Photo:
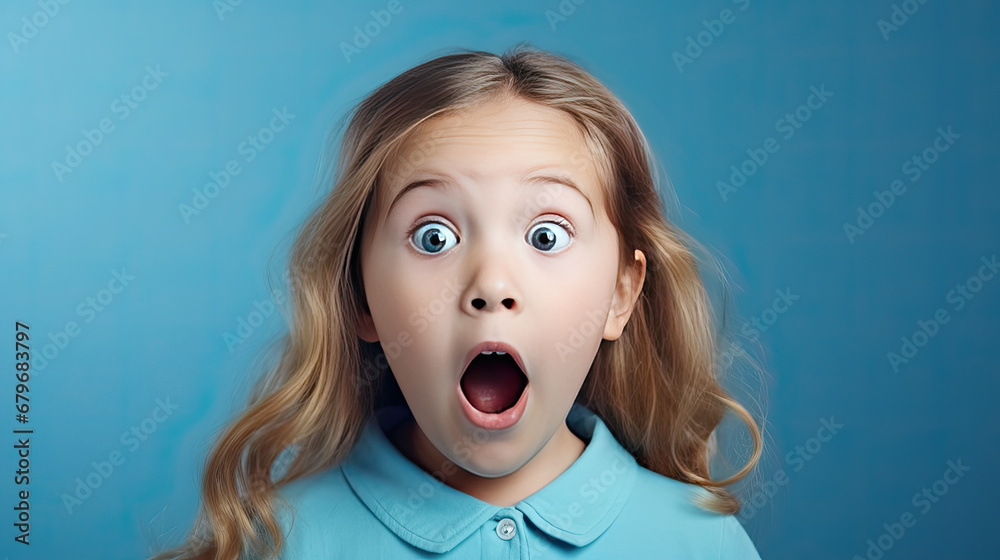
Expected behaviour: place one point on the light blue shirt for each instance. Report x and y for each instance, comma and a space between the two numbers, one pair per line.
378, 504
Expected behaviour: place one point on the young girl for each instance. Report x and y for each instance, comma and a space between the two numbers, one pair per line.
499, 347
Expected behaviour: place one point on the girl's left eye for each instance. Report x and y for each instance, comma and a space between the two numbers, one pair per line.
435, 238
543, 237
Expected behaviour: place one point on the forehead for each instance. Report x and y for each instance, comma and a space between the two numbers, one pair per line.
494, 141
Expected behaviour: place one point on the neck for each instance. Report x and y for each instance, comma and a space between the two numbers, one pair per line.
555, 457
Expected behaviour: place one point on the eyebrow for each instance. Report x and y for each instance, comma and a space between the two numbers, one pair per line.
444, 181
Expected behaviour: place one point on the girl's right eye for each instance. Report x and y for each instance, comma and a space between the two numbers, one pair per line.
430, 237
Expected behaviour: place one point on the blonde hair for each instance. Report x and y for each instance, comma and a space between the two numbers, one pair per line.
655, 387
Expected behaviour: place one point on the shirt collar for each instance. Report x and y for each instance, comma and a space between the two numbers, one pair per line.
576, 508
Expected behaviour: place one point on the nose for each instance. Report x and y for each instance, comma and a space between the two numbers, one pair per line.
492, 287
480, 303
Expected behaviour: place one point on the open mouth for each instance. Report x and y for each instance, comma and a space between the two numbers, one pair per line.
493, 382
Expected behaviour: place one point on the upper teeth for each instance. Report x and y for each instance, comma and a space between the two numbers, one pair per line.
495, 352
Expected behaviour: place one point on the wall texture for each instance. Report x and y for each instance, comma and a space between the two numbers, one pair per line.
838, 157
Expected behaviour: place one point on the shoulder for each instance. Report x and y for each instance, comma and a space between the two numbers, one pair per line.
308, 507
317, 493
662, 510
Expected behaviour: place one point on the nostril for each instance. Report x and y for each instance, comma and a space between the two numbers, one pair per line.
480, 303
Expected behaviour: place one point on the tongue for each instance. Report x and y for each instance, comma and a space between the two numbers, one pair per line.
493, 383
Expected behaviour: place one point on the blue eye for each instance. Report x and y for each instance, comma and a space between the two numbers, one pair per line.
543, 237
429, 237
433, 238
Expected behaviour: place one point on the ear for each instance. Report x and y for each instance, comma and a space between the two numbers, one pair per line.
366, 327
627, 291
365, 324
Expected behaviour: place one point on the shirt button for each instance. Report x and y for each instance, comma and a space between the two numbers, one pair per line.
506, 529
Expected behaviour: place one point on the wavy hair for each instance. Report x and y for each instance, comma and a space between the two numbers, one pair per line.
656, 387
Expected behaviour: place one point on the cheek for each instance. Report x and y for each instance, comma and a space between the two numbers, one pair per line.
581, 334
403, 303
581, 289
577, 314
391, 287
393, 299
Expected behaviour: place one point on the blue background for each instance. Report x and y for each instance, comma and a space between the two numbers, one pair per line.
163, 336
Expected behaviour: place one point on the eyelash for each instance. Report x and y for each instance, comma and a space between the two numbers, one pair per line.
556, 219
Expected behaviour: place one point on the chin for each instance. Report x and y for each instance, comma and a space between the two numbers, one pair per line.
485, 468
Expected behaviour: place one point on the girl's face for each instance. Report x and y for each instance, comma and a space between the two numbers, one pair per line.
479, 237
